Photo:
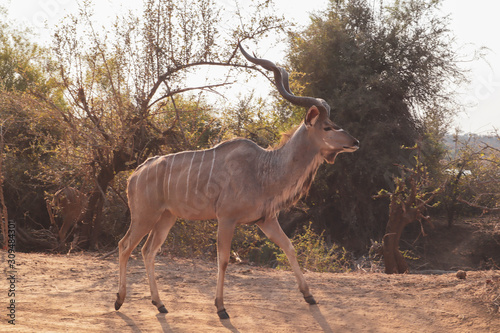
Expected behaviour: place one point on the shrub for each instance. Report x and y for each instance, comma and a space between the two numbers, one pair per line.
250, 245
191, 239
314, 254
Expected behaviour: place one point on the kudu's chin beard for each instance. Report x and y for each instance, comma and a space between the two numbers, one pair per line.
330, 157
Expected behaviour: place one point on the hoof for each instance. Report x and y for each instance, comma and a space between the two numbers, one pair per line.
161, 308
223, 314
117, 303
310, 300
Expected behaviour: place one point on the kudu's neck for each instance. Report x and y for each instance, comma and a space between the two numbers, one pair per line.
287, 172
299, 151
292, 164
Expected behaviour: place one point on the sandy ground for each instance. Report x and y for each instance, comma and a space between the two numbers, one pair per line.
76, 293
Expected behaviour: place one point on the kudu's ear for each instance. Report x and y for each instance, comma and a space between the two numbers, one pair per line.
312, 116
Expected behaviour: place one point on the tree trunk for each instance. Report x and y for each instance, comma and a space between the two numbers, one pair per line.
91, 227
89, 221
394, 261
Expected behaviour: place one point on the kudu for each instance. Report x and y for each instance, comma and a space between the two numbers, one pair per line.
236, 182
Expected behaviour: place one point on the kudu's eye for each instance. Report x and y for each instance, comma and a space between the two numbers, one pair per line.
333, 127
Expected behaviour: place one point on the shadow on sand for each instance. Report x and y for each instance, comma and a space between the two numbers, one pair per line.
163, 322
227, 324
129, 321
134, 328
320, 319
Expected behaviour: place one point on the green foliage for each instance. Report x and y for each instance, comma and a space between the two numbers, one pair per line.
30, 128
314, 254
409, 255
198, 239
471, 176
483, 188
192, 239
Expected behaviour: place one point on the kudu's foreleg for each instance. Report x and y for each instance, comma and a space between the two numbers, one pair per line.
225, 233
273, 231
155, 239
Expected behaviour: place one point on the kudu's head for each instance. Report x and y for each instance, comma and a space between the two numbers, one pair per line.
324, 133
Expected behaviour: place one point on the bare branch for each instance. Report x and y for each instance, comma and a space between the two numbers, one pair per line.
484, 208
178, 91
177, 114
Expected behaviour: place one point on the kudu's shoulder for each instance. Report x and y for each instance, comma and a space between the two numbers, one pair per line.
146, 162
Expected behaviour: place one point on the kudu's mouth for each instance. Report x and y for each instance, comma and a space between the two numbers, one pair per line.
350, 149
331, 155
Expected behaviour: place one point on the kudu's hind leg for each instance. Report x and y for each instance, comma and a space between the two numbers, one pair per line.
155, 239
273, 231
224, 236
127, 244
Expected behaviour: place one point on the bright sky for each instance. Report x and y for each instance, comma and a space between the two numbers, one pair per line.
475, 24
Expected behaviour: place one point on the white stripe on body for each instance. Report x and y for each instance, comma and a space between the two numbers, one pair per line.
158, 189
169, 175
148, 195
179, 178
189, 173
165, 178
211, 169
137, 183
199, 171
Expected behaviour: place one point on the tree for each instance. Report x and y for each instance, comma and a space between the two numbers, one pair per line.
30, 130
123, 85
408, 203
383, 72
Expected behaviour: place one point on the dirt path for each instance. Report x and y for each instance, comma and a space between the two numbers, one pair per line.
76, 293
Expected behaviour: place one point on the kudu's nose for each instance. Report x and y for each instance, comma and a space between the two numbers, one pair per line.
356, 143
